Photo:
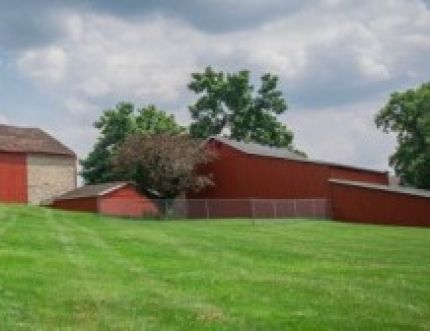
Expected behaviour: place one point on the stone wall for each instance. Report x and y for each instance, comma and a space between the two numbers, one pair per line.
49, 176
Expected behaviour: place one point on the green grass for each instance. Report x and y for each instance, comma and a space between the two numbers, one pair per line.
71, 271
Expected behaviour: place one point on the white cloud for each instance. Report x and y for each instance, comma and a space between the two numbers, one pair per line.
110, 57
3, 119
78, 106
348, 136
152, 59
47, 65
337, 61
372, 69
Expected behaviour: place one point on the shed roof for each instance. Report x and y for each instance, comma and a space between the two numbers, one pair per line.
96, 190
30, 140
387, 188
281, 153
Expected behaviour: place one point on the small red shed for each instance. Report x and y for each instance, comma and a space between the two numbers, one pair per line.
114, 199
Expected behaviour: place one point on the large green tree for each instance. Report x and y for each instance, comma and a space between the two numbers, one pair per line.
228, 104
407, 114
115, 125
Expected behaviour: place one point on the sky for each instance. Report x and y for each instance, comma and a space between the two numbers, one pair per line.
62, 63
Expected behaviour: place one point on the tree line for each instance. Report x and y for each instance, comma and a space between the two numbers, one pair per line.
148, 146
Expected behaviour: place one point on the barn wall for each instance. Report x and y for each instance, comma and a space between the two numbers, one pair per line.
81, 204
340, 172
49, 176
127, 201
366, 205
13, 177
241, 176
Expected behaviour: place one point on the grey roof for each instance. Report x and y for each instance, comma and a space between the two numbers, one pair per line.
393, 189
89, 191
257, 149
30, 140
281, 153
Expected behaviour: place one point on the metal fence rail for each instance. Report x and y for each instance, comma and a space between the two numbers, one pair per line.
219, 208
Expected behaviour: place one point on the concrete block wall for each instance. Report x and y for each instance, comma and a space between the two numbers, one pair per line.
49, 176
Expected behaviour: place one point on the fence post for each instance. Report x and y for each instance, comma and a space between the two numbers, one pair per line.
251, 201
207, 208
274, 208
313, 208
328, 209
294, 208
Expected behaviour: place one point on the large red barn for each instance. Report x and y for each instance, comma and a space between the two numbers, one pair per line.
247, 170
247, 176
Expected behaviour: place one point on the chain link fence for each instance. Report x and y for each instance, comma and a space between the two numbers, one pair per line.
218, 208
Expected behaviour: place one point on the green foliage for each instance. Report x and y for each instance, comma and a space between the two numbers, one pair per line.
407, 114
115, 125
227, 102
164, 163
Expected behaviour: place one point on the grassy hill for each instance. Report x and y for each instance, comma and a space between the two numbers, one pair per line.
73, 271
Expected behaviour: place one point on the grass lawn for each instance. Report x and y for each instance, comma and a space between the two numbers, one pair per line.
74, 271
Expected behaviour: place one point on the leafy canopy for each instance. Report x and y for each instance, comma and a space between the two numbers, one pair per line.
229, 105
407, 115
164, 163
115, 125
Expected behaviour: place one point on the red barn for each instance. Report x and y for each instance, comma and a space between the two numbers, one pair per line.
247, 170
372, 203
115, 199
34, 167
263, 179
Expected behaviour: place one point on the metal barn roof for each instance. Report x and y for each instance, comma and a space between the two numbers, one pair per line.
257, 149
393, 189
30, 140
281, 153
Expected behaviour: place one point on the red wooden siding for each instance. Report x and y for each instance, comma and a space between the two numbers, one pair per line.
340, 172
88, 204
13, 177
127, 201
369, 205
239, 175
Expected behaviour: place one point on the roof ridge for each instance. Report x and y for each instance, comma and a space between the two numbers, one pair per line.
284, 153
382, 187
93, 190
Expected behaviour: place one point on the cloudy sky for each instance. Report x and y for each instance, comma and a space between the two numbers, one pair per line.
61, 64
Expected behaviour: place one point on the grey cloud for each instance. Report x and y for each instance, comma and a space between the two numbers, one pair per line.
26, 24
19, 30
29, 23
213, 16
331, 78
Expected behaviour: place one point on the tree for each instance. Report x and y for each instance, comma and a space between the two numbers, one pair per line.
164, 163
407, 114
227, 102
115, 125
